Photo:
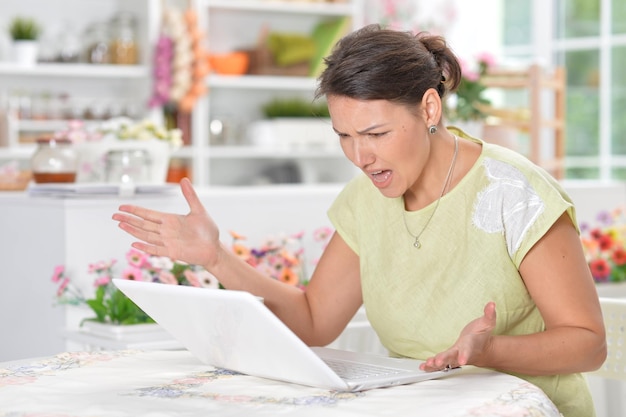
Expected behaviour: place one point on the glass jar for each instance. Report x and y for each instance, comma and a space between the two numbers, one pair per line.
128, 166
69, 44
55, 160
96, 47
123, 47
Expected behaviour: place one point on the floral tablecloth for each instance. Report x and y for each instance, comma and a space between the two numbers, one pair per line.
174, 383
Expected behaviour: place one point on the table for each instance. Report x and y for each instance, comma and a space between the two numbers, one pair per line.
120, 383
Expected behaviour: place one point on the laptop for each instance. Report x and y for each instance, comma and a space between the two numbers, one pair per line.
234, 330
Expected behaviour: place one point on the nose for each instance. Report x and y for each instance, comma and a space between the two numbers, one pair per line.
360, 152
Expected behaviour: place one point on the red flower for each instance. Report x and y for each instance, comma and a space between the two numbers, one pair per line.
596, 233
600, 269
605, 241
619, 256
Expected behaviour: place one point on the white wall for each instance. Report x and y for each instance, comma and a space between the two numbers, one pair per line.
477, 28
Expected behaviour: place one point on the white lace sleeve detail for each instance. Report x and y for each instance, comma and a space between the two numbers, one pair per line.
508, 205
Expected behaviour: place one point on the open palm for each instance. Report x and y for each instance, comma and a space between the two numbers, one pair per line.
191, 238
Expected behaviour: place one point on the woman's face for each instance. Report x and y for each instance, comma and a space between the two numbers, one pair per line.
385, 140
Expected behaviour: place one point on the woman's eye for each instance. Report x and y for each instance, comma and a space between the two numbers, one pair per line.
378, 134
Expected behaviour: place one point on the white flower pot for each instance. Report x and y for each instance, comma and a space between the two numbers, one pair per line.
294, 134
25, 52
611, 289
129, 333
92, 157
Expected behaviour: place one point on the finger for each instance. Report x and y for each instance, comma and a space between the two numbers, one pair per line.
136, 232
447, 358
137, 222
490, 311
430, 367
441, 361
151, 249
190, 195
141, 212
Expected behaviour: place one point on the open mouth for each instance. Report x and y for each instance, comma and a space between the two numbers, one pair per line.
380, 176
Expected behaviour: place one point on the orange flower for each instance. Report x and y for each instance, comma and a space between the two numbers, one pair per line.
237, 236
241, 250
289, 276
289, 258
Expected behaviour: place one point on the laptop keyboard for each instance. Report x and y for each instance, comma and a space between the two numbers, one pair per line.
353, 370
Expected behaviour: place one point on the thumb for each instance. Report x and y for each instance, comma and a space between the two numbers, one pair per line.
190, 195
490, 313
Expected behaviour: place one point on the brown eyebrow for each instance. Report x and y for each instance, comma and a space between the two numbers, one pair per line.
361, 132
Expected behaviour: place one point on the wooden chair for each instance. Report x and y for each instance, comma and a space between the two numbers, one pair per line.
537, 117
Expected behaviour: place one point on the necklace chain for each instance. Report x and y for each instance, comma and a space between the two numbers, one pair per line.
446, 183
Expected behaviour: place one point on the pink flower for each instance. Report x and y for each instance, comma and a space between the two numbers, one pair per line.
322, 234
486, 58
59, 272
166, 277
63, 286
471, 75
136, 258
192, 278
102, 281
132, 273
101, 266
390, 7
298, 235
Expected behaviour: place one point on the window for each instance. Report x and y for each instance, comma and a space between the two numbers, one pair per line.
588, 38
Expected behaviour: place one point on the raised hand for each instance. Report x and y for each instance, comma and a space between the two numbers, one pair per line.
472, 343
192, 238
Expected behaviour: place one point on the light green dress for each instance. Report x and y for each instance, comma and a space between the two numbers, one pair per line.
419, 300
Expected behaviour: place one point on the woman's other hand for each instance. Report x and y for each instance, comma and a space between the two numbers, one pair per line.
473, 343
192, 238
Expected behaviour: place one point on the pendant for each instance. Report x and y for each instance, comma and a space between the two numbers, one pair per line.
417, 243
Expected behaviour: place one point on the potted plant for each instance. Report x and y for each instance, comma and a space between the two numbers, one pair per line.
25, 33
294, 123
115, 315
604, 244
463, 109
95, 143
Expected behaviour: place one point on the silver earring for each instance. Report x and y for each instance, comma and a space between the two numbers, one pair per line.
432, 129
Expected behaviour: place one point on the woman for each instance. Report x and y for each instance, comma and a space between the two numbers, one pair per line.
463, 253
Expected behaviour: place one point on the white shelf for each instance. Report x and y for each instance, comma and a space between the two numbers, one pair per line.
28, 125
277, 6
256, 152
229, 25
76, 70
262, 82
24, 151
